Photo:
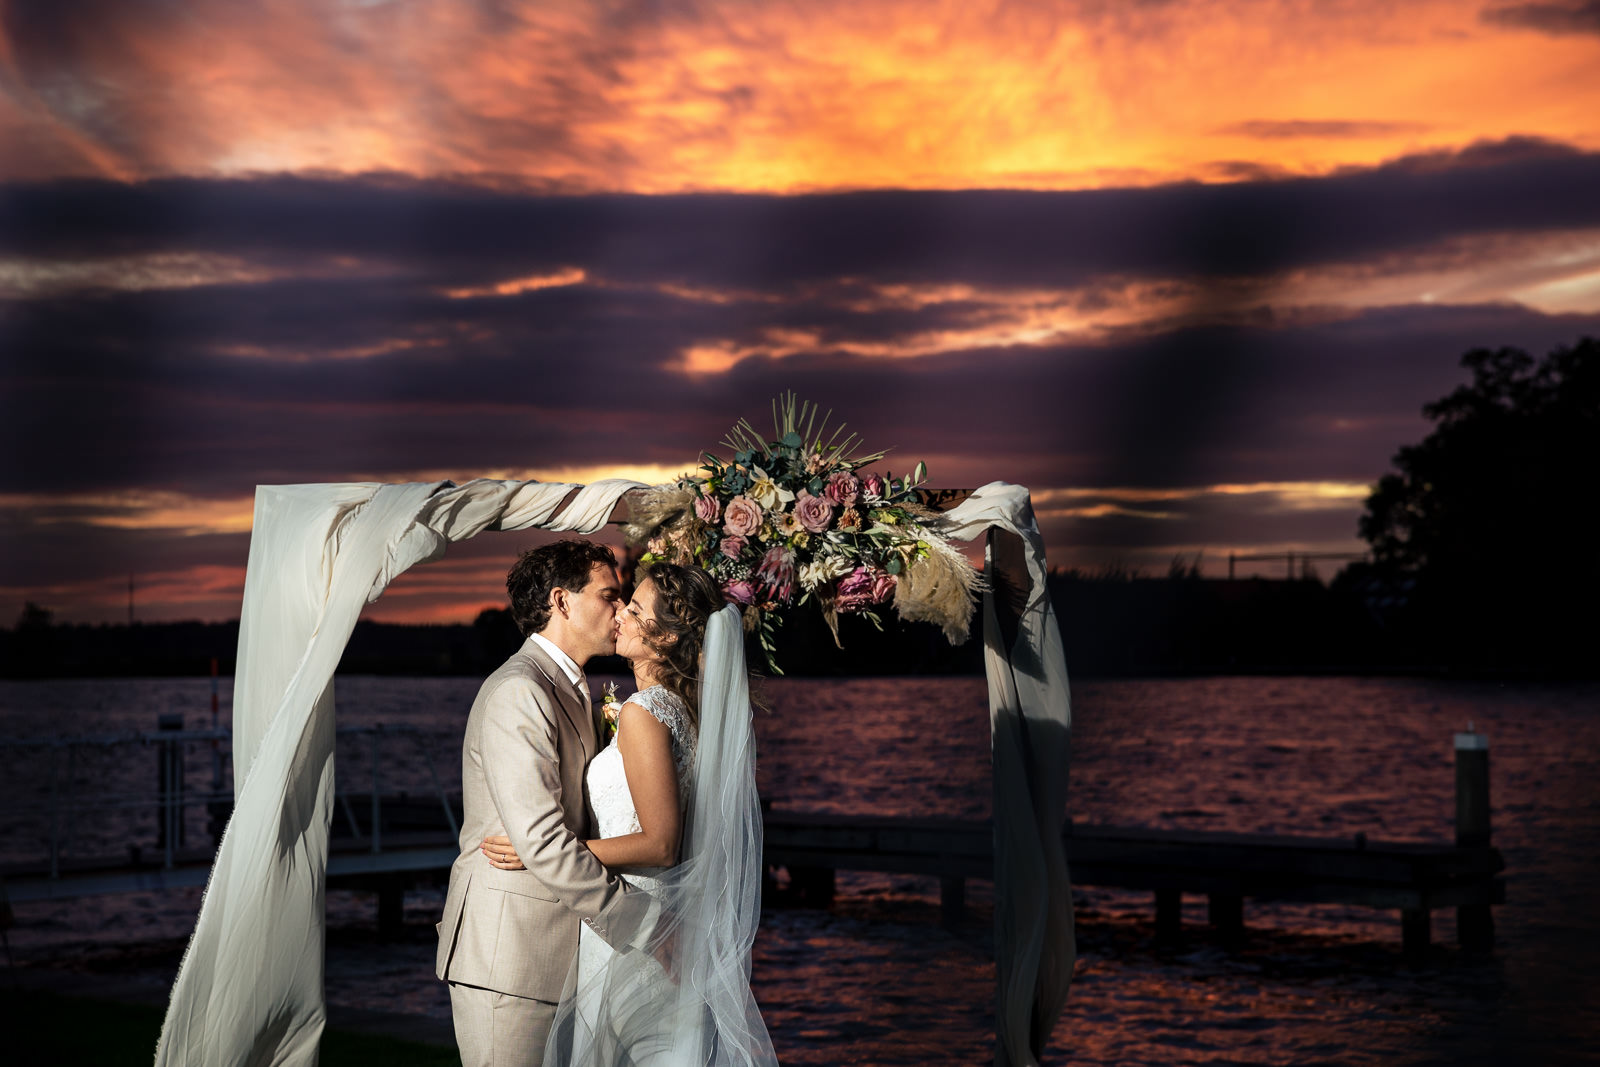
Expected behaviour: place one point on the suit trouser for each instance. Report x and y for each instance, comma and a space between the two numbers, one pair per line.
497, 1029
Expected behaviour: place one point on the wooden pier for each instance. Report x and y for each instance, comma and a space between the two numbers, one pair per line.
415, 843
1413, 879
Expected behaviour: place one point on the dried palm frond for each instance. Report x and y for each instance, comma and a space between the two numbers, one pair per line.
799, 417
940, 589
651, 509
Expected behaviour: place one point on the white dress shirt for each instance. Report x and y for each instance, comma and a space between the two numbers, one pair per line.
568, 665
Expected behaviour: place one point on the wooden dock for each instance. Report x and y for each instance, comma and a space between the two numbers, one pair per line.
1413, 879
387, 843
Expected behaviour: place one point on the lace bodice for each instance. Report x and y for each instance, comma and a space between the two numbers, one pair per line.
608, 783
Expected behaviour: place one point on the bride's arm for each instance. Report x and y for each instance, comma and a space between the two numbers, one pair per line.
646, 748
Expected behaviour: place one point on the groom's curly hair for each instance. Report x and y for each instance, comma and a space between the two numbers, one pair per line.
686, 598
566, 564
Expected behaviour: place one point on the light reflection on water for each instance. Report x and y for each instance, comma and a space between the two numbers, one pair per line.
875, 980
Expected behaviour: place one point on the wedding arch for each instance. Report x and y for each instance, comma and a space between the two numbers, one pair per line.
250, 987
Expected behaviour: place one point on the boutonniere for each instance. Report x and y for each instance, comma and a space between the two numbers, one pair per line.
611, 707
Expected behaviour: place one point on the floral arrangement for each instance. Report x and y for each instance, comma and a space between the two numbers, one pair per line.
797, 518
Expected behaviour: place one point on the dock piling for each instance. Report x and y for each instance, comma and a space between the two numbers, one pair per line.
1169, 914
1474, 922
813, 885
377, 799
169, 777
1416, 930
952, 900
1225, 911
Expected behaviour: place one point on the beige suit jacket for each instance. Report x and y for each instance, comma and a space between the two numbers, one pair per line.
529, 739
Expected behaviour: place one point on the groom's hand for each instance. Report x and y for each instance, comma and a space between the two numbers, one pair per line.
500, 854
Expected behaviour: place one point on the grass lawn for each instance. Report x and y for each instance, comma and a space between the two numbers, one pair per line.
43, 1028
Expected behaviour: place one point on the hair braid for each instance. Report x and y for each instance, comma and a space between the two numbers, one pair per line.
686, 598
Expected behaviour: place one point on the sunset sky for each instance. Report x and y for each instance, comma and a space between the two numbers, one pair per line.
1188, 270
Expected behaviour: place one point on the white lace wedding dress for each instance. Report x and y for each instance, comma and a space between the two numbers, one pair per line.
635, 1017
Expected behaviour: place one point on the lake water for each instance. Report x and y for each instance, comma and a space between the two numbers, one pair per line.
875, 979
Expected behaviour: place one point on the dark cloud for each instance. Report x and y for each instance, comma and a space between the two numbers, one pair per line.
128, 390
1561, 19
59, 552
374, 372
439, 231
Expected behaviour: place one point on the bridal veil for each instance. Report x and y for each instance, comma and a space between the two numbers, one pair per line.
702, 1014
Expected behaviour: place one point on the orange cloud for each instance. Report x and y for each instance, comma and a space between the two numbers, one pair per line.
1139, 501
515, 286
134, 509
826, 95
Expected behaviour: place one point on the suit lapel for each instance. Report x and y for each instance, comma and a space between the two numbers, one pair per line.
566, 694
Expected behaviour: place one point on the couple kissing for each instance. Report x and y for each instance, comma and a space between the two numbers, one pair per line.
606, 893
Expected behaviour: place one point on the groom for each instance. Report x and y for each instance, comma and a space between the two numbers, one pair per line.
508, 937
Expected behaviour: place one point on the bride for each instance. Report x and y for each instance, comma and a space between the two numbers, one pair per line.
676, 809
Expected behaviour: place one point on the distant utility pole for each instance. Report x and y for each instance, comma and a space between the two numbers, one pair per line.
130, 600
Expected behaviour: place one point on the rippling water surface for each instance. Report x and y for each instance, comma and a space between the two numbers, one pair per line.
875, 979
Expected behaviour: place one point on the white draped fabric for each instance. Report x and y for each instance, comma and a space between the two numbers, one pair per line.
1030, 718
249, 989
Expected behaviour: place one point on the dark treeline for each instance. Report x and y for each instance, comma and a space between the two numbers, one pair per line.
1485, 528
1113, 623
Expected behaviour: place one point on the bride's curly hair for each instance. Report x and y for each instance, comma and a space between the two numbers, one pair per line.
686, 598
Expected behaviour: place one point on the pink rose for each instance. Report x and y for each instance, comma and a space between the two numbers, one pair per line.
842, 489
742, 516
882, 586
872, 485
732, 545
707, 508
777, 572
814, 512
855, 591
740, 592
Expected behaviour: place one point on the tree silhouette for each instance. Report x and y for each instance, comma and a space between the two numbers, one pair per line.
1493, 514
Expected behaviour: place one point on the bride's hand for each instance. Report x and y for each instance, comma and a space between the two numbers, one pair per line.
665, 950
500, 854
